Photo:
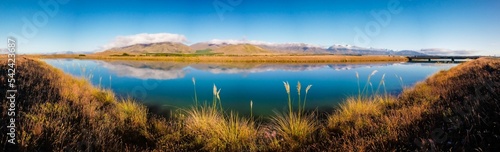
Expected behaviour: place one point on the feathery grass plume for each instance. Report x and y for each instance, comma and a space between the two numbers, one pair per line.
109, 81
368, 83
214, 100
371, 86
380, 83
218, 98
385, 91
287, 89
298, 92
195, 95
400, 79
359, 89
305, 97
251, 109
100, 80
373, 72
214, 90
294, 127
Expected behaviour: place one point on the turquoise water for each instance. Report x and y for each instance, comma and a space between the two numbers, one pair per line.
165, 86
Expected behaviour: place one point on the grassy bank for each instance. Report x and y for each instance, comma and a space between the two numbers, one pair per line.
256, 58
452, 110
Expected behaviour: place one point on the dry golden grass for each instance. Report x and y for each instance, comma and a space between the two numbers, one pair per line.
216, 131
294, 129
62, 113
411, 121
132, 113
352, 114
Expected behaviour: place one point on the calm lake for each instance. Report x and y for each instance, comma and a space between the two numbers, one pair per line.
165, 86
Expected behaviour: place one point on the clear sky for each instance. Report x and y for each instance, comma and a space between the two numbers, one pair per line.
88, 25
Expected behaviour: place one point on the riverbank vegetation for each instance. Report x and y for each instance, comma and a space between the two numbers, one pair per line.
455, 109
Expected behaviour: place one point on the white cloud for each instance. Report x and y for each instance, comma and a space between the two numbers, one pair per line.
447, 52
144, 38
217, 41
4, 51
254, 42
143, 73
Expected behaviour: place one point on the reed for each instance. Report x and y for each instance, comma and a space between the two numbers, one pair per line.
251, 109
195, 95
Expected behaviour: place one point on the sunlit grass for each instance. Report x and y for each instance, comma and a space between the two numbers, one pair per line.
353, 114
105, 96
217, 131
295, 127
132, 113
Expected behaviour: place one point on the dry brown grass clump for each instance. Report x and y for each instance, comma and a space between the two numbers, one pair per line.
215, 131
58, 112
452, 110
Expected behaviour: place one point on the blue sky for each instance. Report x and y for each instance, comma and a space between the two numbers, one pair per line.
88, 25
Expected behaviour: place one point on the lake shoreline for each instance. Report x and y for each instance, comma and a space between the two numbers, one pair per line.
244, 59
408, 121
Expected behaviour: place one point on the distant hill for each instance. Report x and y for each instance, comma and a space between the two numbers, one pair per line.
409, 53
204, 45
294, 48
241, 49
347, 49
71, 52
163, 47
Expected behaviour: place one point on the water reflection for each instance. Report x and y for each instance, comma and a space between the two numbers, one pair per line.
175, 70
165, 86
140, 71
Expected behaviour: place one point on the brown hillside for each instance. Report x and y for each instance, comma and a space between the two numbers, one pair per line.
165, 47
242, 49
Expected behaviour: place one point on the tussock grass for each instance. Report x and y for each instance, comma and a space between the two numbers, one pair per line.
132, 113
107, 97
216, 131
352, 114
295, 128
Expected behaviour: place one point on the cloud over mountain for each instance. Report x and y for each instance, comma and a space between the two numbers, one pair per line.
255, 42
4, 51
435, 51
144, 38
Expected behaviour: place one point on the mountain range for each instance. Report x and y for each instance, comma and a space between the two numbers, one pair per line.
252, 49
